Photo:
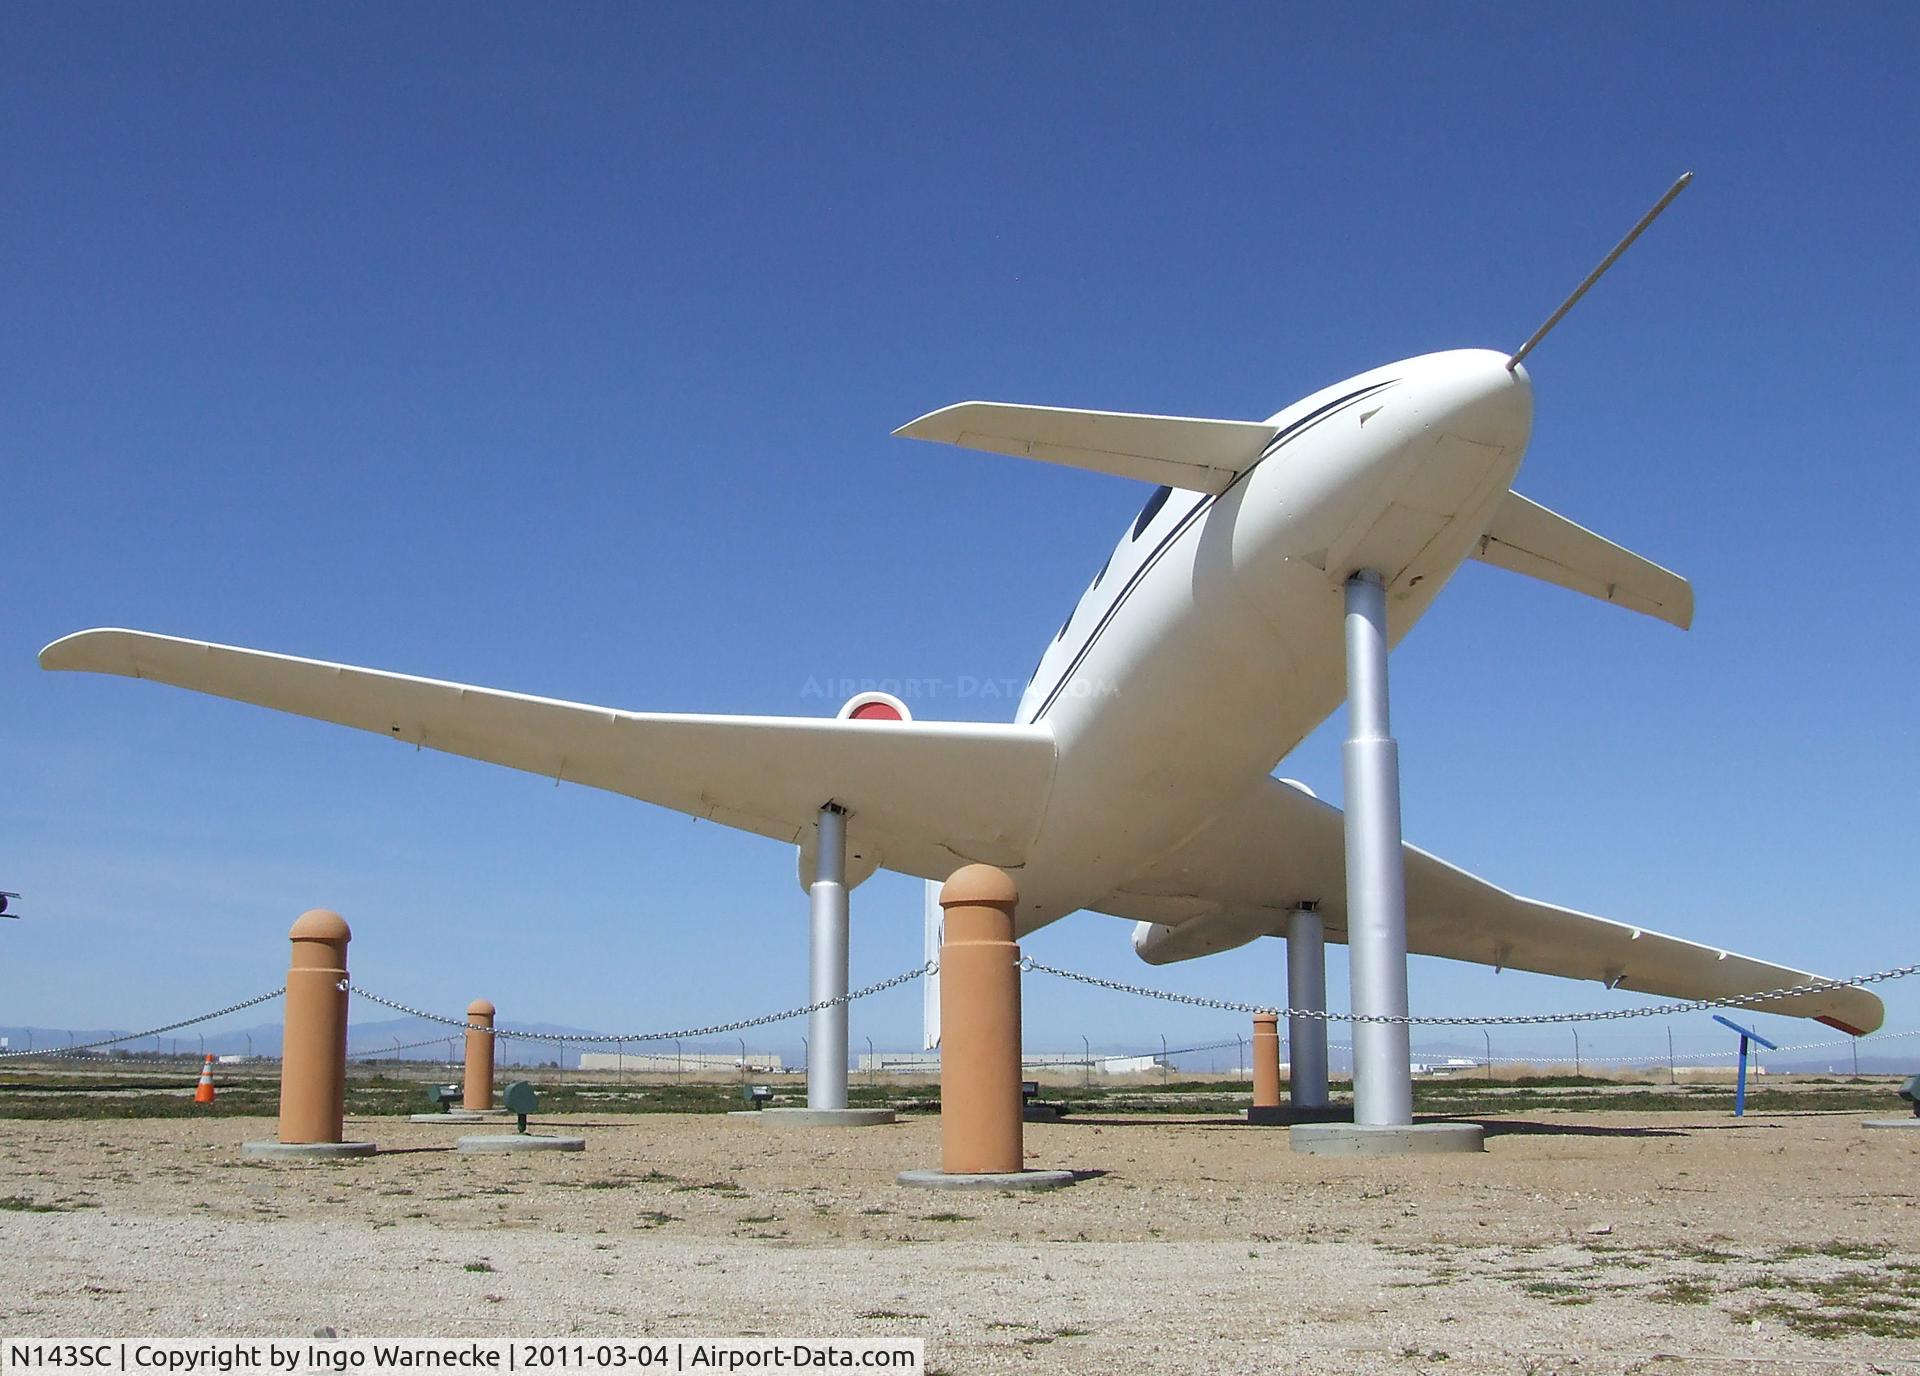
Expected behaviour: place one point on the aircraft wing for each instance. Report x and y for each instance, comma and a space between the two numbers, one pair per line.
1196, 454
1527, 538
1241, 877
926, 796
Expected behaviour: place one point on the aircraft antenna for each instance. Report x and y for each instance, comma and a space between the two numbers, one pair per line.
1605, 263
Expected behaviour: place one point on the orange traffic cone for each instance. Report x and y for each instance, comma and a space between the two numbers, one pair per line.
204, 1094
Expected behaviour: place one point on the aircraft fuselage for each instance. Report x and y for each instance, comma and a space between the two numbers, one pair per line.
1214, 631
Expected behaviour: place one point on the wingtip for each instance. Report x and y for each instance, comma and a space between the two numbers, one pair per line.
83, 650
1847, 1028
1683, 609
63, 653
927, 427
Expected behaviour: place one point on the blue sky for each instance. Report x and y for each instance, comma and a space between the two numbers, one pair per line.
557, 349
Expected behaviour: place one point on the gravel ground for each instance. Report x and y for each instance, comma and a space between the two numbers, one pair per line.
1578, 1243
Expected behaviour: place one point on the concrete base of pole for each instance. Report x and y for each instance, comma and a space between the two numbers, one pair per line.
1390, 1139
1009, 1180
1286, 1116
457, 1115
1908, 1123
307, 1151
517, 1142
820, 1117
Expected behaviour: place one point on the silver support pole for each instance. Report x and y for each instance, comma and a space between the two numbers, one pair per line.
934, 935
827, 1027
1376, 873
1306, 988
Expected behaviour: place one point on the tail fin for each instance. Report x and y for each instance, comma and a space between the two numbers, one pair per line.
1527, 538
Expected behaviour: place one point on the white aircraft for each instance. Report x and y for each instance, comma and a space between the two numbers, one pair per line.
1137, 777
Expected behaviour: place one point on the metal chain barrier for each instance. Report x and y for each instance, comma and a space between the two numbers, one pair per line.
150, 1032
685, 1033
1026, 964
1510, 1020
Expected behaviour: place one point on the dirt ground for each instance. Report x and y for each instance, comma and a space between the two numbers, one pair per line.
1585, 1243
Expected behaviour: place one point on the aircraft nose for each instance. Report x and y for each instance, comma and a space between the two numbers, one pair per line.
1482, 400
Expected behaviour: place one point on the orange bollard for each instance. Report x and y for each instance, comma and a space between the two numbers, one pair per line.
479, 1082
203, 1093
313, 1065
1266, 1060
981, 1118
980, 1112
1266, 1071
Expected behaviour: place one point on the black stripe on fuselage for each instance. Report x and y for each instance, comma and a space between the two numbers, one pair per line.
1293, 431
1312, 418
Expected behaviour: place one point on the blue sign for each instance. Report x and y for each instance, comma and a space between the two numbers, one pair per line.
1747, 1034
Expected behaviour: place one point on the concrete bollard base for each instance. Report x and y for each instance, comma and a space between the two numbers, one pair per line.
1367, 1139
1909, 1123
1286, 1116
987, 1180
307, 1151
819, 1117
518, 1142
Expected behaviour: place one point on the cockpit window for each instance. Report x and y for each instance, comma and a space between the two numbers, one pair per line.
1150, 510
1102, 574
